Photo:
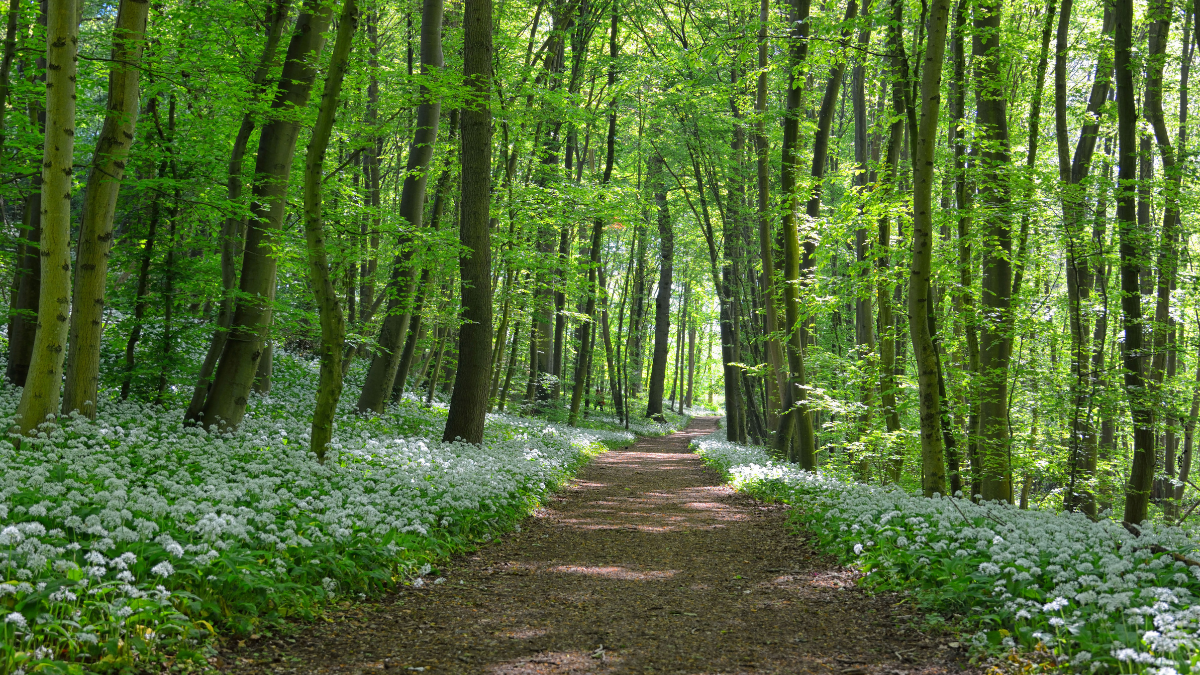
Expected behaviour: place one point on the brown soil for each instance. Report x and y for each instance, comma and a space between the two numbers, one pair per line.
645, 564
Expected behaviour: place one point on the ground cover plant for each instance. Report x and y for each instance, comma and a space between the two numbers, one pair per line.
1096, 596
134, 535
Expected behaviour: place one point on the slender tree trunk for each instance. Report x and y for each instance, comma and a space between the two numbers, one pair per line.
382, 373
512, 368
1160, 14
1080, 279
501, 335
1141, 475
614, 381
680, 323
43, 386
469, 402
23, 321
140, 302
373, 178
691, 376
586, 346
437, 213
226, 403
1189, 437
415, 330
889, 180
168, 293
10, 52
797, 423
231, 232
964, 190
765, 214
662, 303
864, 323
333, 322
431, 383
933, 478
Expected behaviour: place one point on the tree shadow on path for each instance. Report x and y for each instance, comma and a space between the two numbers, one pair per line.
647, 563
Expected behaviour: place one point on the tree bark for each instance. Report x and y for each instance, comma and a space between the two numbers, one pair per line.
469, 402
662, 303
933, 478
99, 207
226, 403
231, 232
586, 346
1141, 475
765, 211
996, 337
1080, 278
382, 373
329, 310
797, 423
43, 386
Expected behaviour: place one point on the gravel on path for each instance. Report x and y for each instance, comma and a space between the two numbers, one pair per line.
647, 563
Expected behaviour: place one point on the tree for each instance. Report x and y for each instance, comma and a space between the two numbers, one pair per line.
43, 386
933, 480
469, 402
333, 322
99, 207
378, 385
226, 403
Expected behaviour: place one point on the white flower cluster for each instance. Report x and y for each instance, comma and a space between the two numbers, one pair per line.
1098, 596
107, 510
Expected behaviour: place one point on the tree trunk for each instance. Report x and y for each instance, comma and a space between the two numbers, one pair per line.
614, 381
691, 376
964, 191
262, 373
333, 322
591, 290
677, 380
512, 368
1189, 437
43, 386
864, 323
1141, 475
143, 287
1079, 254
469, 402
995, 338
933, 478
662, 303
226, 403
797, 423
382, 373
765, 212
99, 207
431, 383
231, 232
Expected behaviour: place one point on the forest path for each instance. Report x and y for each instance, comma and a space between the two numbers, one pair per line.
647, 563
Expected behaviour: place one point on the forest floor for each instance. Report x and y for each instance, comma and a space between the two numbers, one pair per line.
647, 563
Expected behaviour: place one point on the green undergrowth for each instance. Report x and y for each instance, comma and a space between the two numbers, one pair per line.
133, 543
1026, 588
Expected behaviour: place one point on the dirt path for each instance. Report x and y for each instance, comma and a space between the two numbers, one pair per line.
646, 564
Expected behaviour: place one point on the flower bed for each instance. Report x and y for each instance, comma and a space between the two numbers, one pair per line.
133, 536
1091, 593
